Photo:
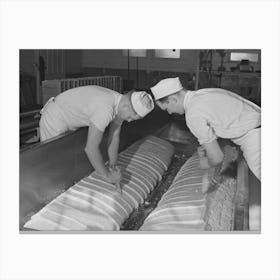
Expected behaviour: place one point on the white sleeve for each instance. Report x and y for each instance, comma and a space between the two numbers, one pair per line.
200, 129
101, 118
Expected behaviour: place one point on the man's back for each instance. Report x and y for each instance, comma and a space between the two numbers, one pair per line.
81, 105
227, 113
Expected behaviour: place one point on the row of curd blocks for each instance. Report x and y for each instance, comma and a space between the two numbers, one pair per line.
92, 204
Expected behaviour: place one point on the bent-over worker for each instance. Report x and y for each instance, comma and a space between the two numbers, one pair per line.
211, 113
95, 107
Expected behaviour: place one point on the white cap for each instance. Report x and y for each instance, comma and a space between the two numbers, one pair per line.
166, 87
142, 103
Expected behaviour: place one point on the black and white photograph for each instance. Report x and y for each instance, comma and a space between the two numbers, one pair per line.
139, 140
165, 140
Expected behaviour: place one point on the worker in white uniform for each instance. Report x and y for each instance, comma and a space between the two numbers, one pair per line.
97, 108
211, 113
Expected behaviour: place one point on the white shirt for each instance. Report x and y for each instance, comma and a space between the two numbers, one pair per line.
82, 105
215, 112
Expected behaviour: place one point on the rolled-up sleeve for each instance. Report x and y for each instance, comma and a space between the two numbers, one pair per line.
200, 128
101, 118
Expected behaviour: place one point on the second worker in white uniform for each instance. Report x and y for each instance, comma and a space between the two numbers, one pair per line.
211, 113
97, 108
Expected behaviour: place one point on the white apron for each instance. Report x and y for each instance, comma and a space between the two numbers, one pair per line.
52, 122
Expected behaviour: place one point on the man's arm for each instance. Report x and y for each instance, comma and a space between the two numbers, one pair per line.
113, 142
95, 157
92, 150
210, 155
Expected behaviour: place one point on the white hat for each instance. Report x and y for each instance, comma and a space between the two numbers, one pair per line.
142, 103
166, 87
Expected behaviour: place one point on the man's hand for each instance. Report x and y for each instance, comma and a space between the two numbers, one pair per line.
210, 178
203, 160
114, 167
114, 177
215, 175
201, 152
